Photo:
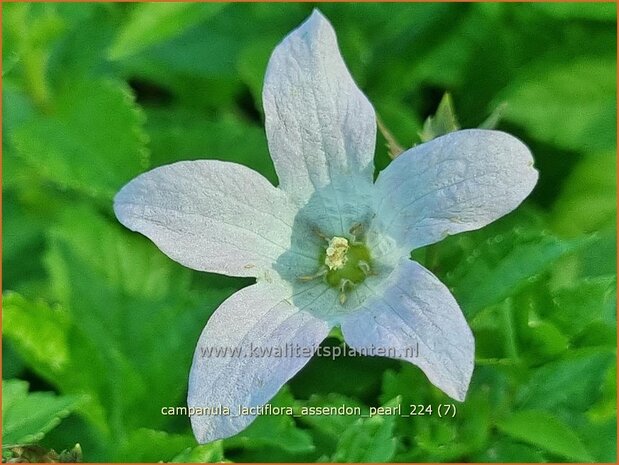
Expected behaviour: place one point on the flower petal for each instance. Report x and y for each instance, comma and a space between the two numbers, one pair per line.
417, 310
458, 182
257, 319
210, 215
320, 127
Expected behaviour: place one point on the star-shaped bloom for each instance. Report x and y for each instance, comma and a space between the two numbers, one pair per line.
329, 246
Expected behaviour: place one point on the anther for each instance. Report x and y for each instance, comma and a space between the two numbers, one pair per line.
320, 234
364, 266
356, 230
344, 283
321, 272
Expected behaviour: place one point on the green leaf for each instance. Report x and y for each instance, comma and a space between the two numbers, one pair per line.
152, 23
368, 439
222, 38
601, 440
424, 57
205, 453
186, 135
598, 11
127, 263
112, 285
596, 259
30, 30
12, 363
28, 323
504, 264
579, 390
17, 107
323, 375
543, 430
92, 141
434, 438
588, 301
9, 60
443, 122
580, 94
543, 340
326, 429
127, 307
398, 383
147, 445
93, 24
251, 64
22, 238
507, 451
588, 199
569, 385
600, 257
26, 417
330, 425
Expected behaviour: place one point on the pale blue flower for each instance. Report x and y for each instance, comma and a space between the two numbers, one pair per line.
328, 247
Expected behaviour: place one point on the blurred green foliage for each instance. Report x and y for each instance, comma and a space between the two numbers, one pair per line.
94, 94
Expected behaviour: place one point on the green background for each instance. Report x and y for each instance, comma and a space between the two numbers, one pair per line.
100, 326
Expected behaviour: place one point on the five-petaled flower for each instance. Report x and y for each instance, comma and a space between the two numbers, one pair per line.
328, 247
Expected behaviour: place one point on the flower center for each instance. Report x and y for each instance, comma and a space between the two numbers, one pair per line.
348, 263
343, 263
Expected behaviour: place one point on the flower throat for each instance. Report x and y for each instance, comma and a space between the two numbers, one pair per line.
344, 263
